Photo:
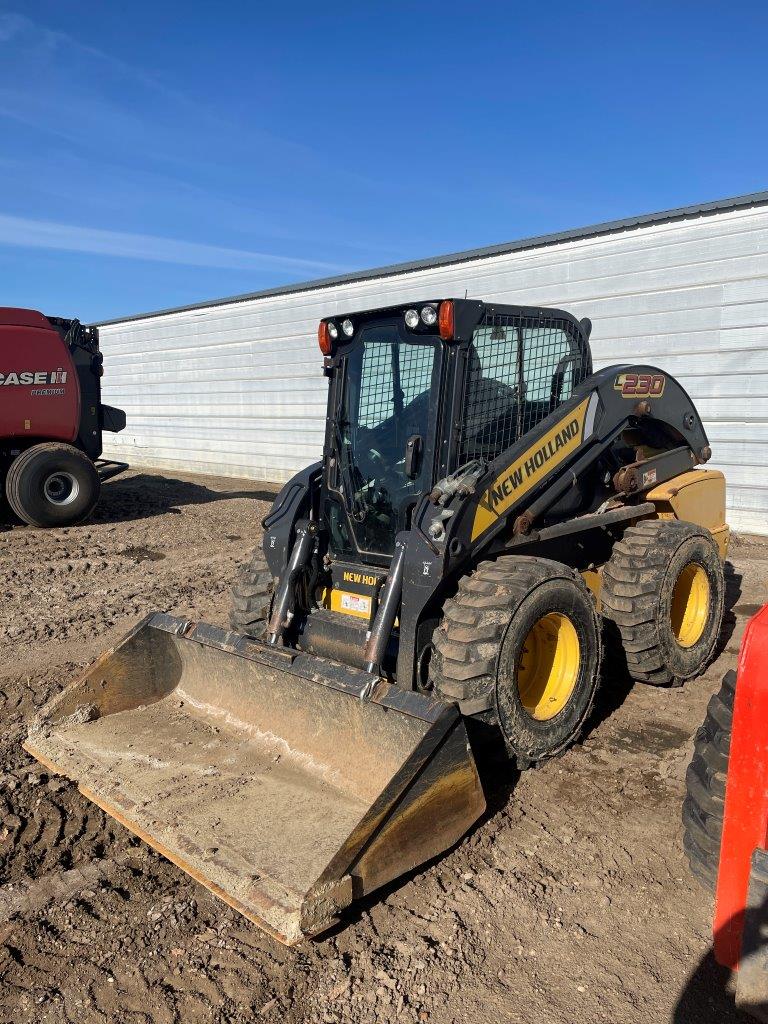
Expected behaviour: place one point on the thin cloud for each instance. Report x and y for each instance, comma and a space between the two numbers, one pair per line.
40, 38
11, 24
42, 234
101, 116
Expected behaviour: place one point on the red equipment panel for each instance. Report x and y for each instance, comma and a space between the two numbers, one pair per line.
39, 389
745, 823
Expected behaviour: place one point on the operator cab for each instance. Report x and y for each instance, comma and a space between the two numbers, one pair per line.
421, 390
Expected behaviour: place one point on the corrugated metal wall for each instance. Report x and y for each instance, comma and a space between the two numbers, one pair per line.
237, 389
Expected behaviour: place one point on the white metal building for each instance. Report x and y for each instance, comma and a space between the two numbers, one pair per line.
234, 386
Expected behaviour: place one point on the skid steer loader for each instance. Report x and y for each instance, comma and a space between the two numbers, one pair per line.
483, 503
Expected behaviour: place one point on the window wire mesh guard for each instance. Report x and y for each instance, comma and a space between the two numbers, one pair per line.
382, 361
519, 370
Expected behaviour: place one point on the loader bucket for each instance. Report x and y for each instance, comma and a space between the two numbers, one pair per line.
287, 784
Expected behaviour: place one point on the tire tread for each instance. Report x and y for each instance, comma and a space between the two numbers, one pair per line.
629, 594
251, 596
469, 639
705, 779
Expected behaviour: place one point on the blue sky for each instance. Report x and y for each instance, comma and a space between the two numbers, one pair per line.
158, 154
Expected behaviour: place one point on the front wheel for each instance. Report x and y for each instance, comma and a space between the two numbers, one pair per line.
52, 484
524, 633
252, 597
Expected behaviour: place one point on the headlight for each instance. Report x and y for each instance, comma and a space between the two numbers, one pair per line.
429, 315
412, 318
333, 330
348, 327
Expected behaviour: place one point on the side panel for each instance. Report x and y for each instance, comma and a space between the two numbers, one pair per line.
39, 387
530, 468
597, 412
695, 497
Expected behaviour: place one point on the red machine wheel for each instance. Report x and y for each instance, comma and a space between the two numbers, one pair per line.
705, 785
52, 484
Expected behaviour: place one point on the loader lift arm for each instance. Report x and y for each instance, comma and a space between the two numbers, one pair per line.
521, 486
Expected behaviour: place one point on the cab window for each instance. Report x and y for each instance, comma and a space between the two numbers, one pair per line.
518, 372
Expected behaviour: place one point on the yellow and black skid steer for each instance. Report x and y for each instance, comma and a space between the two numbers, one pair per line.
485, 501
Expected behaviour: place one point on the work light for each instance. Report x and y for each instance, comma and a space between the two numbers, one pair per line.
333, 330
411, 318
429, 315
348, 327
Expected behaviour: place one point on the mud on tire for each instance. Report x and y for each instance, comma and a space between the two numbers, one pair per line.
705, 784
251, 597
645, 583
486, 650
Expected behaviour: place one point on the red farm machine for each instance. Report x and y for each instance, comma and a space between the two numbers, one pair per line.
52, 418
725, 817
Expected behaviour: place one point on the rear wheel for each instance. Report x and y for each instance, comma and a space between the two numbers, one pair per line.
52, 485
252, 597
522, 637
663, 587
705, 781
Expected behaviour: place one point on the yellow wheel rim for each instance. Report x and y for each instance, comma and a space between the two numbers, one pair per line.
548, 666
690, 605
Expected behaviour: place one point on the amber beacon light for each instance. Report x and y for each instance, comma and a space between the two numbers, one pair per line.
445, 320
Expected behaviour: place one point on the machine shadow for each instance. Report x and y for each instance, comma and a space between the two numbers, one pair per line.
733, 580
708, 996
147, 495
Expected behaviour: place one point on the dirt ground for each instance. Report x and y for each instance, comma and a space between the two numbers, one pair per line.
570, 902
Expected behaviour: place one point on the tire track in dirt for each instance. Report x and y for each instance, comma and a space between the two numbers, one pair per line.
570, 903
125, 948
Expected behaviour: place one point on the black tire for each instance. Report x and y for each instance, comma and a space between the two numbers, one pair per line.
52, 484
252, 597
483, 648
705, 784
644, 585
7, 516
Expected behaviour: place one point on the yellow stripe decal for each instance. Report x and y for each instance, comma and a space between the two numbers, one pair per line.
533, 465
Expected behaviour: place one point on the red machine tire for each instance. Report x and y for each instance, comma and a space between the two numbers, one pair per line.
52, 484
705, 779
